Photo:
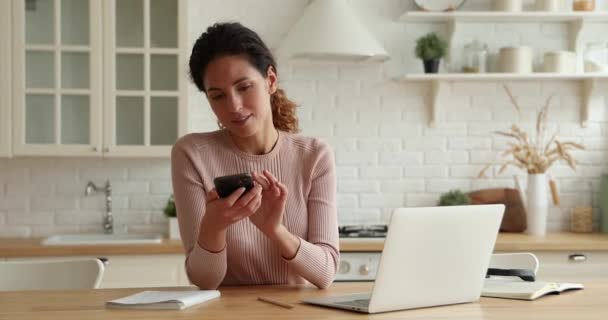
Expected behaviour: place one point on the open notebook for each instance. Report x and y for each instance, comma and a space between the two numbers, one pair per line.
163, 299
523, 290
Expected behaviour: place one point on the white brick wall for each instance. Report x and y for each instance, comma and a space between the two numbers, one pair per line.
386, 154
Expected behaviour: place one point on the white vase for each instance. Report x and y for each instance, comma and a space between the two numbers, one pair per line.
537, 204
173, 229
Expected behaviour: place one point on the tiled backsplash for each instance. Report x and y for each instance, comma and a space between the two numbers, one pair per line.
386, 154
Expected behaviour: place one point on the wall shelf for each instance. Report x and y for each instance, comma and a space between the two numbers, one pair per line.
494, 16
440, 87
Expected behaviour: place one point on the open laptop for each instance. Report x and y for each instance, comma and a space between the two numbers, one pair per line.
432, 256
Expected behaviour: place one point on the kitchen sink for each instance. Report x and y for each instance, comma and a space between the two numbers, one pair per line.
101, 239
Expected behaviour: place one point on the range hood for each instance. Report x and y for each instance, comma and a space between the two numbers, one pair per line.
330, 30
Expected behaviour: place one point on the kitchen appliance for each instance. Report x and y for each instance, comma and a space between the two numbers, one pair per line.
360, 265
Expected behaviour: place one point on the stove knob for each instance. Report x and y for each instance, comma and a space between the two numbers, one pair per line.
364, 270
344, 267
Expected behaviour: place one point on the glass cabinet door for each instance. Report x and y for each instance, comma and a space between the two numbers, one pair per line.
146, 89
5, 79
58, 96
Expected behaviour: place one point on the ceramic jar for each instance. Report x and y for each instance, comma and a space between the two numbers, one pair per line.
560, 62
549, 5
507, 5
515, 59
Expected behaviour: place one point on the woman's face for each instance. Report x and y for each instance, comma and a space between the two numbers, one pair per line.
239, 95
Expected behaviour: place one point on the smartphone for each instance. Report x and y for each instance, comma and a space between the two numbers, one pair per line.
226, 185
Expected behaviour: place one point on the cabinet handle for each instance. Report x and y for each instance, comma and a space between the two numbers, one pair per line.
94, 149
106, 149
577, 257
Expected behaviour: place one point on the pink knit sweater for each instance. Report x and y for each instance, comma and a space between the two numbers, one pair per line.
304, 165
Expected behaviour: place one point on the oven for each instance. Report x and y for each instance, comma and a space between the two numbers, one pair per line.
360, 265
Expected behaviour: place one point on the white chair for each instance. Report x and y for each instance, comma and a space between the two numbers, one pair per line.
64, 274
517, 260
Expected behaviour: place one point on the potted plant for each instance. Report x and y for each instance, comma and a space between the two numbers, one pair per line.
454, 198
431, 48
171, 213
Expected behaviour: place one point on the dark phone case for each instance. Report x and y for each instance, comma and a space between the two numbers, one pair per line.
226, 185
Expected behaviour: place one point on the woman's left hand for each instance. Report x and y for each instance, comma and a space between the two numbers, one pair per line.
269, 217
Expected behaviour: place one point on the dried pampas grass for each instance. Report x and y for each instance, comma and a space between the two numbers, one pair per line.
533, 155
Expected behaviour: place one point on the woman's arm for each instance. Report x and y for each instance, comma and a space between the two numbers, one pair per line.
205, 269
317, 259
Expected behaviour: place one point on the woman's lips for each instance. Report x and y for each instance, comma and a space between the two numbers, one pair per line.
241, 121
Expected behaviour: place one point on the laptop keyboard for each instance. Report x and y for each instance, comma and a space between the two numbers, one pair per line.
356, 303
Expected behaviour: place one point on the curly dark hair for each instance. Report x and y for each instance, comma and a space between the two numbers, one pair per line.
224, 39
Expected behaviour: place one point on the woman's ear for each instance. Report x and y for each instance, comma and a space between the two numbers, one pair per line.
271, 80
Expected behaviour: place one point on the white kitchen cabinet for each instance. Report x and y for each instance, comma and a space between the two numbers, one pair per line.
98, 78
145, 90
574, 266
5, 79
164, 270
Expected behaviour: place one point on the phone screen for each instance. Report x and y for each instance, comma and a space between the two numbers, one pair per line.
226, 185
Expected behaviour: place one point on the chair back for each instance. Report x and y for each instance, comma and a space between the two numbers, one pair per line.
64, 274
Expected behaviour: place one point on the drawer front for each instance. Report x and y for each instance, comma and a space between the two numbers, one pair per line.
572, 266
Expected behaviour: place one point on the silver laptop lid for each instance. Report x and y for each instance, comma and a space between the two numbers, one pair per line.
435, 256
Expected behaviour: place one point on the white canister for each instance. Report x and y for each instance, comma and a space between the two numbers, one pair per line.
549, 5
516, 59
507, 5
560, 61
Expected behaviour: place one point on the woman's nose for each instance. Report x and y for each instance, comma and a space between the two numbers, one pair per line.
234, 103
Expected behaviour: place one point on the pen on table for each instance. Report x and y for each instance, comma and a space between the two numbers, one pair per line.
276, 303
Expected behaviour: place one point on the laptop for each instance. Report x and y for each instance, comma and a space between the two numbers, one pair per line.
432, 256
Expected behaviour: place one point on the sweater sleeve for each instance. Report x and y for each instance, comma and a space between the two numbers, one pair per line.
317, 259
204, 269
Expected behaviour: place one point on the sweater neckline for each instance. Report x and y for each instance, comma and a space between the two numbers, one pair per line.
255, 157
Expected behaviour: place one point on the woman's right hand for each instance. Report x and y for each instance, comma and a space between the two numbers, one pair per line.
220, 213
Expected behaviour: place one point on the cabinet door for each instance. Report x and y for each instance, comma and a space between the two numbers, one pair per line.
57, 77
145, 83
5, 79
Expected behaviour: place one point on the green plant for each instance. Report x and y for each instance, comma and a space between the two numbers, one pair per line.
170, 210
454, 198
430, 46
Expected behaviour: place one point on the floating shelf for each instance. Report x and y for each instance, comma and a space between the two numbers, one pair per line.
495, 16
501, 76
440, 82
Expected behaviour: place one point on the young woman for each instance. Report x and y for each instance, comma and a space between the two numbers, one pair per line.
282, 231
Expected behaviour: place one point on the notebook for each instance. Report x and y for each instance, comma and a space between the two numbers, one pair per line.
163, 299
524, 290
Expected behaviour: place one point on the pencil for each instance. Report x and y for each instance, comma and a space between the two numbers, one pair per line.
276, 303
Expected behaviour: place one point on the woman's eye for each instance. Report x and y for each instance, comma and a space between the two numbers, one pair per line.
217, 97
244, 88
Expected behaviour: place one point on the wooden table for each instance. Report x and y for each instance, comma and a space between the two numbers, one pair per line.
241, 303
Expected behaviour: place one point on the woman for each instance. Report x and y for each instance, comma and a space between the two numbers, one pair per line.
282, 231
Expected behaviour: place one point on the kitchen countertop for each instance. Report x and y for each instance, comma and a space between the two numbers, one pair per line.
240, 302
10, 247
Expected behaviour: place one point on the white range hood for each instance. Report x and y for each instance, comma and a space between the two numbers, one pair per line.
330, 30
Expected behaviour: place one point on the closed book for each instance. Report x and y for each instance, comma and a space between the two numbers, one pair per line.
176, 300
524, 290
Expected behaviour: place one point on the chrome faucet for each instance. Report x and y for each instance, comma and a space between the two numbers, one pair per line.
108, 222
